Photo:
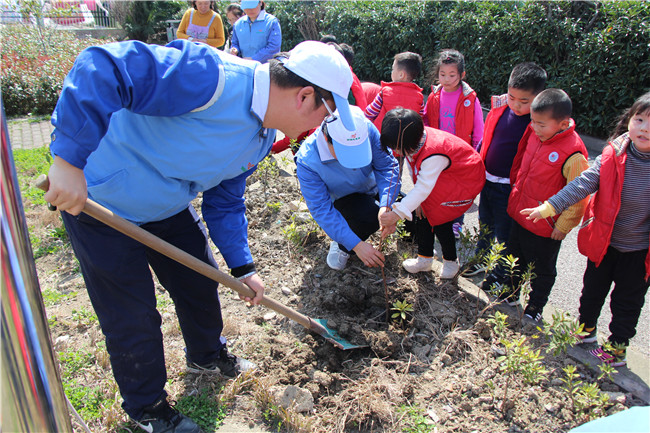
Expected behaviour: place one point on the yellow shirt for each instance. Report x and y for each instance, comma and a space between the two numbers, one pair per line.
216, 36
571, 217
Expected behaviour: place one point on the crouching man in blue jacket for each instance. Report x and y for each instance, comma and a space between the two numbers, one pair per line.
348, 181
142, 129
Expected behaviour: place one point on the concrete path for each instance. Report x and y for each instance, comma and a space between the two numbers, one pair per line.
25, 133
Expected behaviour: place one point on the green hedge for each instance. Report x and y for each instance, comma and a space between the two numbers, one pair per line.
34, 66
596, 51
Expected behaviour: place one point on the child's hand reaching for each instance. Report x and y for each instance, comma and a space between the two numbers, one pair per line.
557, 235
388, 219
532, 213
386, 230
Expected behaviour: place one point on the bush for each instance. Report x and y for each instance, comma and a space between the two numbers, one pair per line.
145, 20
35, 65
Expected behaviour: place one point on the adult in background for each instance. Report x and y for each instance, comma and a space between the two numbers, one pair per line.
233, 13
201, 23
256, 36
142, 129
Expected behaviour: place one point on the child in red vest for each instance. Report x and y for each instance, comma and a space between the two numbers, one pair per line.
452, 105
447, 173
615, 233
401, 92
550, 155
504, 126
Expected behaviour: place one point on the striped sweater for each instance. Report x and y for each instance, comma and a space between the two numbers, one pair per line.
632, 226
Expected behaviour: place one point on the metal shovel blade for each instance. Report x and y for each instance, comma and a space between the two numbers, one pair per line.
332, 336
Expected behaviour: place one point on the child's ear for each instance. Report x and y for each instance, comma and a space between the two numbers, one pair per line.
462, 76
564, 124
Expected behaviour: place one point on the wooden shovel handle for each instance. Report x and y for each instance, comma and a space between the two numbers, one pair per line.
104, 215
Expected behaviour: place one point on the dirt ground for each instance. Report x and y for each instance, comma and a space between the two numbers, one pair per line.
437, 370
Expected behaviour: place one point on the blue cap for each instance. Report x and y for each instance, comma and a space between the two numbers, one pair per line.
352, 147
249, 4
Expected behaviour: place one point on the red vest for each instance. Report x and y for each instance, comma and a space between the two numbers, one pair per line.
370, 90
458, 184
358, 93
398, 94
598, 223
464, 117
537, 174
499, 105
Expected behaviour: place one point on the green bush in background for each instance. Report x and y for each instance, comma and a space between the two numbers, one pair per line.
596, 51
34, 65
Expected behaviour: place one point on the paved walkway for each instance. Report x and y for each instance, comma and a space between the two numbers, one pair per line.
25, 133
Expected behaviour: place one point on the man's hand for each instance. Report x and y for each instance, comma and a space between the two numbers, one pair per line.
369, 255
532, 214
557, 235
68, 190
255, 283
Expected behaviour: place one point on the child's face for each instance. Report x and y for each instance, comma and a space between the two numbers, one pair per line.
397, 73
546, 126
639, 128
449, 77
232, 18
519, 100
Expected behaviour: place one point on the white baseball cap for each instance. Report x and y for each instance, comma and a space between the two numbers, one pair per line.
322, 65
352, 148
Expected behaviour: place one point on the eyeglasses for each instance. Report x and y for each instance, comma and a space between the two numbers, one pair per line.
332, 117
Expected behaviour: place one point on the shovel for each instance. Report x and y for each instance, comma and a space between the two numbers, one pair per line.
104, 215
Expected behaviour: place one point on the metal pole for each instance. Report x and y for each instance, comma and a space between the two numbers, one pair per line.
32, 395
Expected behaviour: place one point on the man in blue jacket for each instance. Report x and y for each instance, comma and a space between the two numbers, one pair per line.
348, 181
142, 129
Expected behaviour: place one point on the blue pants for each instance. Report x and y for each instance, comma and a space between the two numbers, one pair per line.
493, 213
121, 289
360, 212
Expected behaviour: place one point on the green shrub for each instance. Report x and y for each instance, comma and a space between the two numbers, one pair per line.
145, 20
34, 66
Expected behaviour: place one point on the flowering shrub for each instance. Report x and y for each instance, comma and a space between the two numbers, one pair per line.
34, 65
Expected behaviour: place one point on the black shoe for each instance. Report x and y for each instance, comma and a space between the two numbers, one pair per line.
226, 364
490, 284
475, 269
507, 297
590, 335
160, 417
533, 312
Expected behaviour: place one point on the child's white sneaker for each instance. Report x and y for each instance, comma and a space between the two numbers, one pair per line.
419, 264
449, 269
337, 259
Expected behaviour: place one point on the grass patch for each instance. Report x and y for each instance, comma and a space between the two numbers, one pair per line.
414, 420
204, 409
30, 163
53, 297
